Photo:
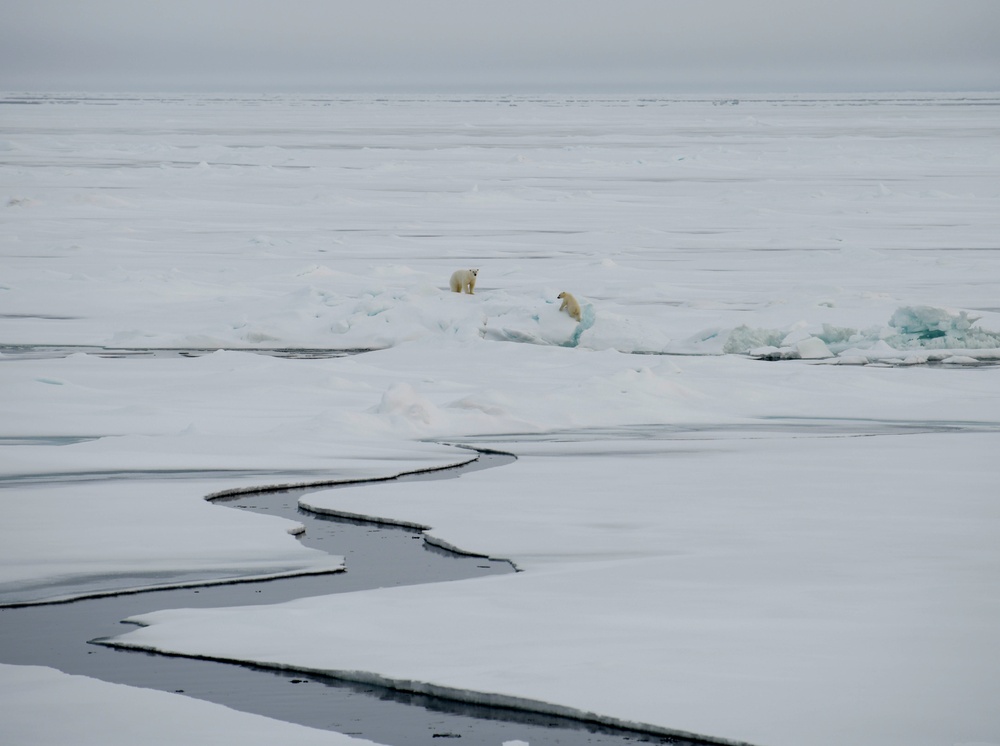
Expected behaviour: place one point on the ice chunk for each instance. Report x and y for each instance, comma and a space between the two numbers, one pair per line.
586, 321
795, 336
813, 348
927, 322
882, 350
744, 338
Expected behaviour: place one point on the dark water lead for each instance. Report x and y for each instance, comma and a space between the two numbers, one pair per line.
63, 636
52, 352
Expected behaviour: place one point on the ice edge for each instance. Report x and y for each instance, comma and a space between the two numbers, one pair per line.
502, 701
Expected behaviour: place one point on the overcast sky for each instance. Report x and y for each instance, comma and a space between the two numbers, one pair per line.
654, 46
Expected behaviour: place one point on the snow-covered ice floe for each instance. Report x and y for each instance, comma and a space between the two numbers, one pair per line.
43, 706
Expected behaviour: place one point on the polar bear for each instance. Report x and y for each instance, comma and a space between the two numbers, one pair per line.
464, 280
570, 305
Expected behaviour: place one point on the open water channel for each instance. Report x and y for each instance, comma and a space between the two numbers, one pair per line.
67, 636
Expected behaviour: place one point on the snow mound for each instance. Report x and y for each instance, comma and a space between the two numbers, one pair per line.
401, 403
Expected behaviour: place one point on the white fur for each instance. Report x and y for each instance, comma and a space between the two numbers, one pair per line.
569, 305
464, 280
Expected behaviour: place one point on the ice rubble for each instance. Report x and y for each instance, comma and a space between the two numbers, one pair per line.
386, 317
915, 335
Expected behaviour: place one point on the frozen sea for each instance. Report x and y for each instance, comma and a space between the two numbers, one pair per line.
756, 493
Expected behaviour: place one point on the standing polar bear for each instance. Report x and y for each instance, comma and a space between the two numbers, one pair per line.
464, 280
570, 305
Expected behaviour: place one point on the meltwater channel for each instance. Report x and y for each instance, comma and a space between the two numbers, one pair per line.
66, 636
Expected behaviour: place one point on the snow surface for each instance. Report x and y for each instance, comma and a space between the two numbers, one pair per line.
91, 712
788, 552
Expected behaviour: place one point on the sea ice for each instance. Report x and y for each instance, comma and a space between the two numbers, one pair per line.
43, 706
708, 541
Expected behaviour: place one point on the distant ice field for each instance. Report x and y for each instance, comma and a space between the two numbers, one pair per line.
331, 222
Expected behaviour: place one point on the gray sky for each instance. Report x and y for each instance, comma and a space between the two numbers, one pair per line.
656, 46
